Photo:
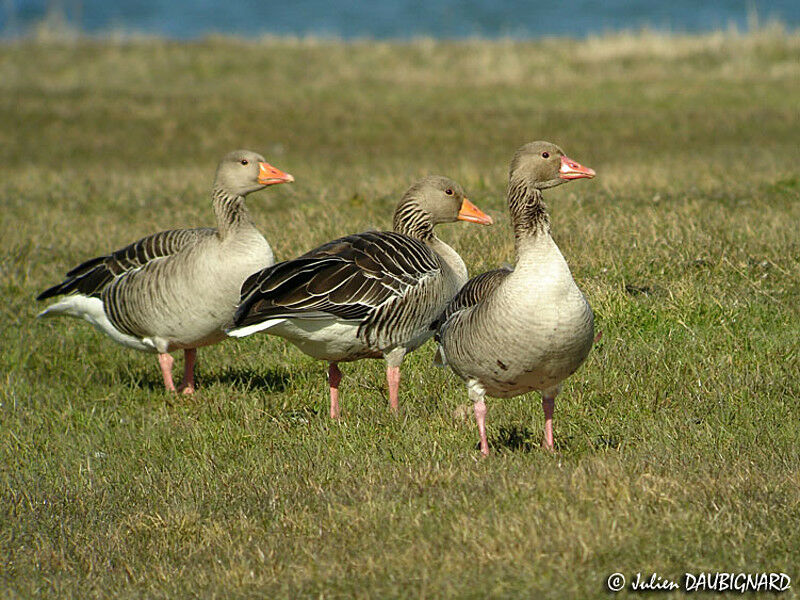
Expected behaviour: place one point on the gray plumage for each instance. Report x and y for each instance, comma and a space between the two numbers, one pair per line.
385, 281
512, 331
367, 295
176, 289
472, 293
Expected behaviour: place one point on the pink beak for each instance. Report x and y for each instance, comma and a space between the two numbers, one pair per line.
573, 170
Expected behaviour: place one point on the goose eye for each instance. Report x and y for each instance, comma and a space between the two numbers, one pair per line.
449, 192
244, 161
545, 155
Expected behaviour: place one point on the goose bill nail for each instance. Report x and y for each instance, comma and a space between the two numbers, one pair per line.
573, 170
473, 214
269, 175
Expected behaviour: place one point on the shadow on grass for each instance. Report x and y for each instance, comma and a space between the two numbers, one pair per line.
302, 415
274, 380
143, 378
515, 438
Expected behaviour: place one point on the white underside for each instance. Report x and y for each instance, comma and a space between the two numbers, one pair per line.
91, 310
326, 339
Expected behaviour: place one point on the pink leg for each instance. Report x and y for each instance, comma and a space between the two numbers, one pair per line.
189, 358
548, 404
334, 377
476, 394
480, 417
165, 360
393, 379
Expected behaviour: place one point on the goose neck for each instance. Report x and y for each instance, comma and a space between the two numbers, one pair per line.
529, 216
231, 212
412, 221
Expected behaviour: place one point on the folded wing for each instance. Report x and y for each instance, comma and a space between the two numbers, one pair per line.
473, 292
351, 278
92, 277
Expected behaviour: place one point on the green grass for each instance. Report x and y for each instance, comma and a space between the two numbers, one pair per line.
679, 439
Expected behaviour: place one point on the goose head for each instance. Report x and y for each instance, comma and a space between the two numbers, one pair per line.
540, 165
241, 172
433, 200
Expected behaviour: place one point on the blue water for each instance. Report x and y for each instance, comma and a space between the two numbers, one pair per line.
402, 19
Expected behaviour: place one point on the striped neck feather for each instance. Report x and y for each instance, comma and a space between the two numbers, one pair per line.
230, 210
529, 216
411, 220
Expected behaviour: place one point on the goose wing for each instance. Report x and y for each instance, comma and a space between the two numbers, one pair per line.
472, 293
93, 276
350, 278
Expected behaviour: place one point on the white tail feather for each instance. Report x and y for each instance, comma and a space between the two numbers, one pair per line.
251, 329
91, 310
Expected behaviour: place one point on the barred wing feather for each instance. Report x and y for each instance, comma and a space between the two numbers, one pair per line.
472, 293
92, 277
349, 278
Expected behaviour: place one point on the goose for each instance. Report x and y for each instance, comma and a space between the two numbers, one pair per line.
514, 330
176, 289
367, 295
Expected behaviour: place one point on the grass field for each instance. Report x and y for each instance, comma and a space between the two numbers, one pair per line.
678, 440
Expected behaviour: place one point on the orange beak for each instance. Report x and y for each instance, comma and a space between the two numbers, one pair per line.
473, 214
573, 170
269, 175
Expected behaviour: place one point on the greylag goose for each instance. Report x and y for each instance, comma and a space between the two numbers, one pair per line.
511, 331
368, 295
176, 289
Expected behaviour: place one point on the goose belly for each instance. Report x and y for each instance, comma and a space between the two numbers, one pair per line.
325, 339
538, 373
535, 350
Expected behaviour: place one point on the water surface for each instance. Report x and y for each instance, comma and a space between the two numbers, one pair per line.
402, 19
